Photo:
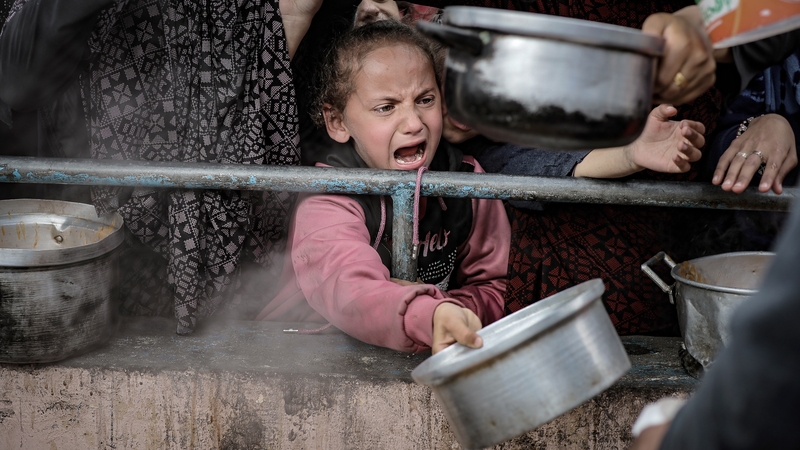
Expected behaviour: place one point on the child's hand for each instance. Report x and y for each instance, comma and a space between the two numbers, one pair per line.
451, 324
665, 145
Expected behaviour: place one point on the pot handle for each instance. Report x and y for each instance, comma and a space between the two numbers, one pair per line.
647, 270
469, 41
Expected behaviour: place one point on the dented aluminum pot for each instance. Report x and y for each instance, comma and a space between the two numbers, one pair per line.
58, 279
707, 296
535, 365
545, 81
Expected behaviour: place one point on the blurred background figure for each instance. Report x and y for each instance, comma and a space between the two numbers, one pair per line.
179, 81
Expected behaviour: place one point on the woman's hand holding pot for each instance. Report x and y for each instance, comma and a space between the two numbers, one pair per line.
769, 141
687, 68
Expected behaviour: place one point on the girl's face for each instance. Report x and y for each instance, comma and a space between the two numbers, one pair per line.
394, 115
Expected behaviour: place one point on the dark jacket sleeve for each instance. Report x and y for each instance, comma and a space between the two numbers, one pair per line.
41, 48
510, 159
753, 58
750, 398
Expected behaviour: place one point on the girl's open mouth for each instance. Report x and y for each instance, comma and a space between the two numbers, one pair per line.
410, 155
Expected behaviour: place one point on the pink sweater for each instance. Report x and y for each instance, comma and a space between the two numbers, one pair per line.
331, 273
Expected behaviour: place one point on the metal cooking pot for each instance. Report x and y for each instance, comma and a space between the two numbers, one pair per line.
58, 276
707, 297
535, 364
546, 81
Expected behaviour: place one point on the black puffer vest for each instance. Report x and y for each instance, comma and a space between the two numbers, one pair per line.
441, 231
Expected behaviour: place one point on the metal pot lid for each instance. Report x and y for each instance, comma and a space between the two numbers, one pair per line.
554, 27
39, 233
509, 333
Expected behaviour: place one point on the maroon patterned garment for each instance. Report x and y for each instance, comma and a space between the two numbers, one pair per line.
194, 81
567, 244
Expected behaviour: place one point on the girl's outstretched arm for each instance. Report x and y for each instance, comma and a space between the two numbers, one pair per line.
664, 146
343, 279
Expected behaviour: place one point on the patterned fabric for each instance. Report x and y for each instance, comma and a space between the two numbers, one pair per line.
194, 81
565, 245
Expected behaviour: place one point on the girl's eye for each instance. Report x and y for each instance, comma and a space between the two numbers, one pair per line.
384, 108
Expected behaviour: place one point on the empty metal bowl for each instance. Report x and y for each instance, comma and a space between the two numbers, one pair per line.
535, 364
546, 81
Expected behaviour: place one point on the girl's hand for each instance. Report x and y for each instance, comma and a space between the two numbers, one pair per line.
451, 324
666, 146
771, 135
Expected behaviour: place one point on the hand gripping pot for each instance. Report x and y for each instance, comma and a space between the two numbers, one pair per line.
535, 365
545, 81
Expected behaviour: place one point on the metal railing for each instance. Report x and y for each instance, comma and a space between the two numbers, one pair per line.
397, 184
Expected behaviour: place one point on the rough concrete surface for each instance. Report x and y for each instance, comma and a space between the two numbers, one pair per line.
247, 385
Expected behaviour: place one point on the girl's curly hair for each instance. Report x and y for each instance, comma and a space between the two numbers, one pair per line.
335, 78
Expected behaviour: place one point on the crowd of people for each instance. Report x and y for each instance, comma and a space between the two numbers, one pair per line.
215, 81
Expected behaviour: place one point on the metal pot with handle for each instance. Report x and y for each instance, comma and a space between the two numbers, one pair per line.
707, 292
58, 279
535, 364
546, 81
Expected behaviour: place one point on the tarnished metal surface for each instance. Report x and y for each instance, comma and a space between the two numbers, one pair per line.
58, 276
534, 366
515, 80
705, 307
404, 261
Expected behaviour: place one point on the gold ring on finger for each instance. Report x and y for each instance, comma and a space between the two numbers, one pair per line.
760, 155
679, 80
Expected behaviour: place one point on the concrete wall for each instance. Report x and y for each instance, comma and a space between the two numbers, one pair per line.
248, 386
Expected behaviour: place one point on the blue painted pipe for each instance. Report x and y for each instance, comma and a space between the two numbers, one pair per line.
398, 184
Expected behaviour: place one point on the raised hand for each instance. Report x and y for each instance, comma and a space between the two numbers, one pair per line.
773, 137
665, 145
297, 16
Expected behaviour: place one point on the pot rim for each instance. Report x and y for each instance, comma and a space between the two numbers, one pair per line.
675, 273
547, 26
543, 316
25, 257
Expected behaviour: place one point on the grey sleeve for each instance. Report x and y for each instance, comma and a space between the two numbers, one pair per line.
41, 47
753, 58
750, 398
512, 159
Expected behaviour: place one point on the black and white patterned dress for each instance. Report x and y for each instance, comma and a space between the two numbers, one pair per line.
194, 81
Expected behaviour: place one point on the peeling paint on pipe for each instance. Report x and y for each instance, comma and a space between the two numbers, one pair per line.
398, 184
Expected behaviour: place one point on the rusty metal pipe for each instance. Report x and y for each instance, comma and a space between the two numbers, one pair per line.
398, 184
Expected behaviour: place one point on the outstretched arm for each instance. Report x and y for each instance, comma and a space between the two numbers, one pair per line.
297, 16
664, 146
343, 279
